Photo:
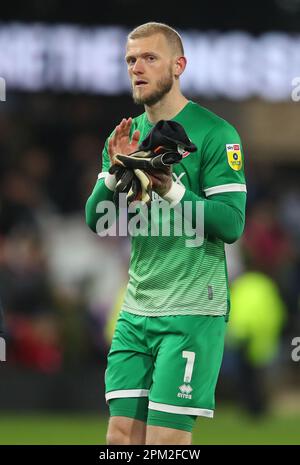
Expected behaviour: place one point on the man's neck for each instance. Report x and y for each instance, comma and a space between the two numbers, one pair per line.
166, 109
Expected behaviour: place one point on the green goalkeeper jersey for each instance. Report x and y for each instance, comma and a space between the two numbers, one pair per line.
167, 277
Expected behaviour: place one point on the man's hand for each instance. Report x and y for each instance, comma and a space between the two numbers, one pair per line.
120, 141
161, 180
158, 179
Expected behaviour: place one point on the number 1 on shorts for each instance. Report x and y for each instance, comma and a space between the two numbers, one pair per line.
190, 356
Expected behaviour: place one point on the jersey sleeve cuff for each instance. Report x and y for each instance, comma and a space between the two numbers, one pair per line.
233, 187
175, 194
109, 180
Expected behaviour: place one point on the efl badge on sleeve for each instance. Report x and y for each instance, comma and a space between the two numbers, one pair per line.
234, 156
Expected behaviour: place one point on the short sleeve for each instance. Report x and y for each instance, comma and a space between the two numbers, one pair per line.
222, 167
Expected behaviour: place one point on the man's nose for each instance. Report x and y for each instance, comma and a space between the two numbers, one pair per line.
138, 67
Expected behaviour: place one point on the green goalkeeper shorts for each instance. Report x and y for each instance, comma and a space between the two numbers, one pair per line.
169, 365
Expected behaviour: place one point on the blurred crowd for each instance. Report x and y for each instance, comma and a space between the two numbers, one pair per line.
59, 281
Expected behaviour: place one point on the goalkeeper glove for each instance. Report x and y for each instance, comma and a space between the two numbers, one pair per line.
164, 146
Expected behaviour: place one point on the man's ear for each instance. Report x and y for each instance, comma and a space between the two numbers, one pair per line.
180, 65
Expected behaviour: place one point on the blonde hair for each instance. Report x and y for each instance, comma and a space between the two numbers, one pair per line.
148, 29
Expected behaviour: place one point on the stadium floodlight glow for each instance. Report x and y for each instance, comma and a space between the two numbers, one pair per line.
233, 65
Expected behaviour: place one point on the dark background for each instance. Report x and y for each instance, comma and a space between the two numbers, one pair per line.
254, 16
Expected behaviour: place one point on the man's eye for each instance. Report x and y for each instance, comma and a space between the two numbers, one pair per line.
131, 61
150, 58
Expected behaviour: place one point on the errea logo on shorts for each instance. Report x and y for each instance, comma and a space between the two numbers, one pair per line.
185, 391
185, 388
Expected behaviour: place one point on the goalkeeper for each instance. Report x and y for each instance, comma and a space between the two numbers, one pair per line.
167, 348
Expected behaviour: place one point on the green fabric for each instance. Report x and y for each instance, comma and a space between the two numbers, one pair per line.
171, 420
224, 214
132, 407
199, 284
100, 193
175, 360
137, 408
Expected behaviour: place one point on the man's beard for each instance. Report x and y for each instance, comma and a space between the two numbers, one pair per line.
164, 86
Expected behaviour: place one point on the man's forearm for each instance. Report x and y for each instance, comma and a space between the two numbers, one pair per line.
224, 214
103, 190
